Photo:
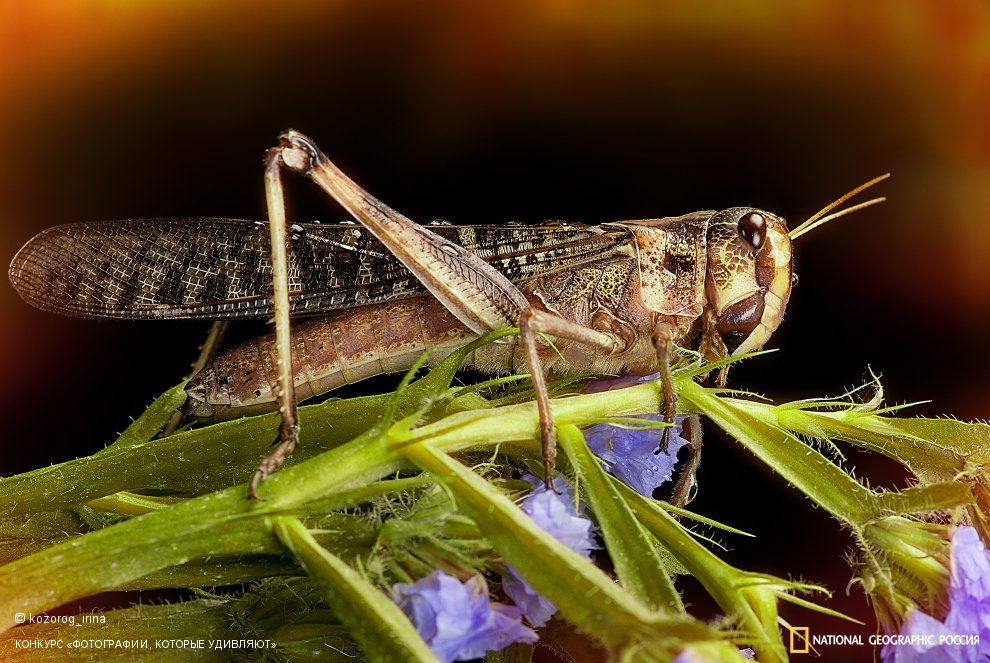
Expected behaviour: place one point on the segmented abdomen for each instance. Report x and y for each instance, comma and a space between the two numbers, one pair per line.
330, 352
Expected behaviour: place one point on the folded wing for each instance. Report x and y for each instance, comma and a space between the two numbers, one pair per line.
221, 268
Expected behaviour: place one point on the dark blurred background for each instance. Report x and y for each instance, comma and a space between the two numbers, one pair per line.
528, 110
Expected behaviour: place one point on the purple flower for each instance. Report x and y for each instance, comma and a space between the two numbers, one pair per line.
555, 513
457, 620
535, 608
964, 635
632, 455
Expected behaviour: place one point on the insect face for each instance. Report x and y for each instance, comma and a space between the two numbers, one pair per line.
748, 279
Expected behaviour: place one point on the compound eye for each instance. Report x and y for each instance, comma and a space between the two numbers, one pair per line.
753, 229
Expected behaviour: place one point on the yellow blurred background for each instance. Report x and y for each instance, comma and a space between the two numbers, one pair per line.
487, 111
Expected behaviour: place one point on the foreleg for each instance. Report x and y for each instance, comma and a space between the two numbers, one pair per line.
665, 348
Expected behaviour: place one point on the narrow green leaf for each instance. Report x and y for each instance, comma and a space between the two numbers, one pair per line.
803, 467
923, 446
924, 499
154, 419
726, 584
638, 566
110, 558
129, 504
383, 631
933, 449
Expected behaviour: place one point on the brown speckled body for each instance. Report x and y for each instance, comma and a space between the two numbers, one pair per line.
606, 297
641, 285
654, 289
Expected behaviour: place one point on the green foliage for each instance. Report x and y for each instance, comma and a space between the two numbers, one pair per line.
384, 489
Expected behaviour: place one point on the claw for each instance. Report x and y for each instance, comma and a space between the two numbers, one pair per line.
286, 441
687, 485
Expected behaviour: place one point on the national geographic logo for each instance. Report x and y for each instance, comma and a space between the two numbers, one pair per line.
802, 641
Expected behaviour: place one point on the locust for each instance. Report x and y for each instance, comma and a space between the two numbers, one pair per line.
625, 297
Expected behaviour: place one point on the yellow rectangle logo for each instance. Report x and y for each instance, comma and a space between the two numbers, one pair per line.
800, 640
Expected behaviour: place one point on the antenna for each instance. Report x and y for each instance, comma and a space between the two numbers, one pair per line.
818, 218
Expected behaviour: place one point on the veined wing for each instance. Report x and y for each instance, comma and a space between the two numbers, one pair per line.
221, 268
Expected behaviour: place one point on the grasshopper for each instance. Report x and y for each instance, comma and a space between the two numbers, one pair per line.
617, 298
